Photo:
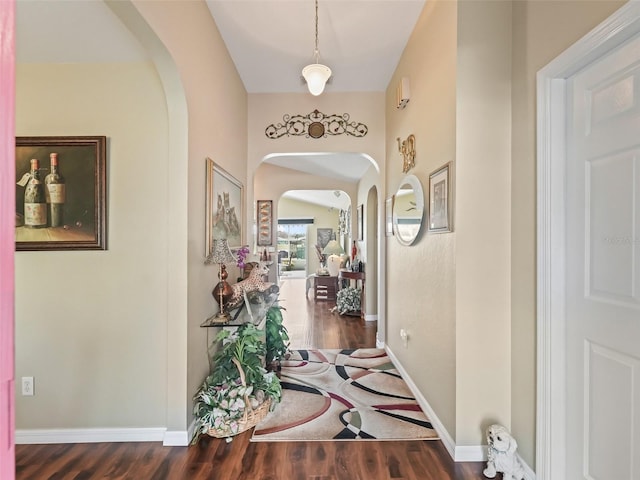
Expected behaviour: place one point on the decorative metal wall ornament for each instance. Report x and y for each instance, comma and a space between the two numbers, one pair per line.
408, 150
316, 125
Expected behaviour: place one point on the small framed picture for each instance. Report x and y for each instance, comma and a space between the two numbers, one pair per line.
360, 222
440, 200
265, 220
323, 236
388, 210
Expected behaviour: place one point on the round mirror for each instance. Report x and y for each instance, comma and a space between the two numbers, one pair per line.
408, 210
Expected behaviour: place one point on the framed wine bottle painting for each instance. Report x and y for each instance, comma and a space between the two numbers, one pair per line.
61, 193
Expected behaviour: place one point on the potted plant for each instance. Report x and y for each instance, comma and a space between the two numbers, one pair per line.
239, 392
348, 300
277, 338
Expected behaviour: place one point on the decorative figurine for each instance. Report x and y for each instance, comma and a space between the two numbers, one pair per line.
253, 283
502, 455
408, 150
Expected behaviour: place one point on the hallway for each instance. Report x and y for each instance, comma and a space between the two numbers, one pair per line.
311, 325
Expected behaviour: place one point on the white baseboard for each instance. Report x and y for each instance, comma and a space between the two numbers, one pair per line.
529, 474
176, 438
447, 440
90, 435
370, 318
470, 453
179, 438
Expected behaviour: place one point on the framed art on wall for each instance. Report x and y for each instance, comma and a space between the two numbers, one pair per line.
225, 207
388, 215
265, 222
440, 201
61, 193
360, 222
323, 235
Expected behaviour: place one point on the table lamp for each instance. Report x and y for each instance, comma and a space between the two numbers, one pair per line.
333, 251
222, 292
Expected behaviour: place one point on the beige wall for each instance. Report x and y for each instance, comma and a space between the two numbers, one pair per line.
89, 324
483, 216
371, 249
166, 346
541, 31
484, 67
421, 278
217, 123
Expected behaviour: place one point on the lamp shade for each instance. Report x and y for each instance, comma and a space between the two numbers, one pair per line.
221, 253
333, 248
316, 76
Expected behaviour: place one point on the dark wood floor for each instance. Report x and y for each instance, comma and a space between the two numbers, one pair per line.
311, 325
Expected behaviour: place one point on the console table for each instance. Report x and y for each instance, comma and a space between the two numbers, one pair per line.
355, 276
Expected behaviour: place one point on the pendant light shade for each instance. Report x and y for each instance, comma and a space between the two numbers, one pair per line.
316, 76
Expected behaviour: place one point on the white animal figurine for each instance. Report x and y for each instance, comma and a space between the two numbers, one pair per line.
253, 283
502, 455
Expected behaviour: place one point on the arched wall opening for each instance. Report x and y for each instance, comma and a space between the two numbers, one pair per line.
271, 181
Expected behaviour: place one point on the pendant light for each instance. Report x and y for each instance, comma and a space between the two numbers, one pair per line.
316, 74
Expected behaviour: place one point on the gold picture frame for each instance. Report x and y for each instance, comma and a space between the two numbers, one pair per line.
265, 222
224, 207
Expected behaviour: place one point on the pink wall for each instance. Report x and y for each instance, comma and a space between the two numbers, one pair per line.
7, 243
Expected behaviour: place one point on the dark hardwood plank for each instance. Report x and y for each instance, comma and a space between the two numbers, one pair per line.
311, 325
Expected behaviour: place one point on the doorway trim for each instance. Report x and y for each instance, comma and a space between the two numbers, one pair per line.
551, 167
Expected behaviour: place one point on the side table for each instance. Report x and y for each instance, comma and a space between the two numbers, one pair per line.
325, 287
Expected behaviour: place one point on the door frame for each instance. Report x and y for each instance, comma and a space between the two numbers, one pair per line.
551, 168
7, 239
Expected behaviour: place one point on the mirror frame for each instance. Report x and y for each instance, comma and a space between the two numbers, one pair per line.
415, 184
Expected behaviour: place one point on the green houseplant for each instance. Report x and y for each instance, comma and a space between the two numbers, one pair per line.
277, 338
239, 391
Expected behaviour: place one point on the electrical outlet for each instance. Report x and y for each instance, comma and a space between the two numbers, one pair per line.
404, 335
27, 386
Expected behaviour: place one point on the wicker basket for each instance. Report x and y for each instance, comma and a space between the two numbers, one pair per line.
251, 417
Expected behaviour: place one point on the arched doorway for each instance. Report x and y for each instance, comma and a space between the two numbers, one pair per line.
278, 173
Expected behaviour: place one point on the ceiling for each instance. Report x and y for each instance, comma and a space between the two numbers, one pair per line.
270, 41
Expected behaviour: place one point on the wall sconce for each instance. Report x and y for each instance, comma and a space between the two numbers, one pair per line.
403, 93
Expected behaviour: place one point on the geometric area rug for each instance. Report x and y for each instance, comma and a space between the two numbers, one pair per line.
343, 395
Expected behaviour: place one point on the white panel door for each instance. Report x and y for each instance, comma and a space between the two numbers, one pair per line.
603, 268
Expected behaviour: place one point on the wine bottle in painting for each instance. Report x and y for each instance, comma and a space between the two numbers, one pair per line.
35, 200
55, 191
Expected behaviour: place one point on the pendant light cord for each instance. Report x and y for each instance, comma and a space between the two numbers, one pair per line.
317, 52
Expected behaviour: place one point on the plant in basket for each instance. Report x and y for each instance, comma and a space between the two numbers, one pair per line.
239, 392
